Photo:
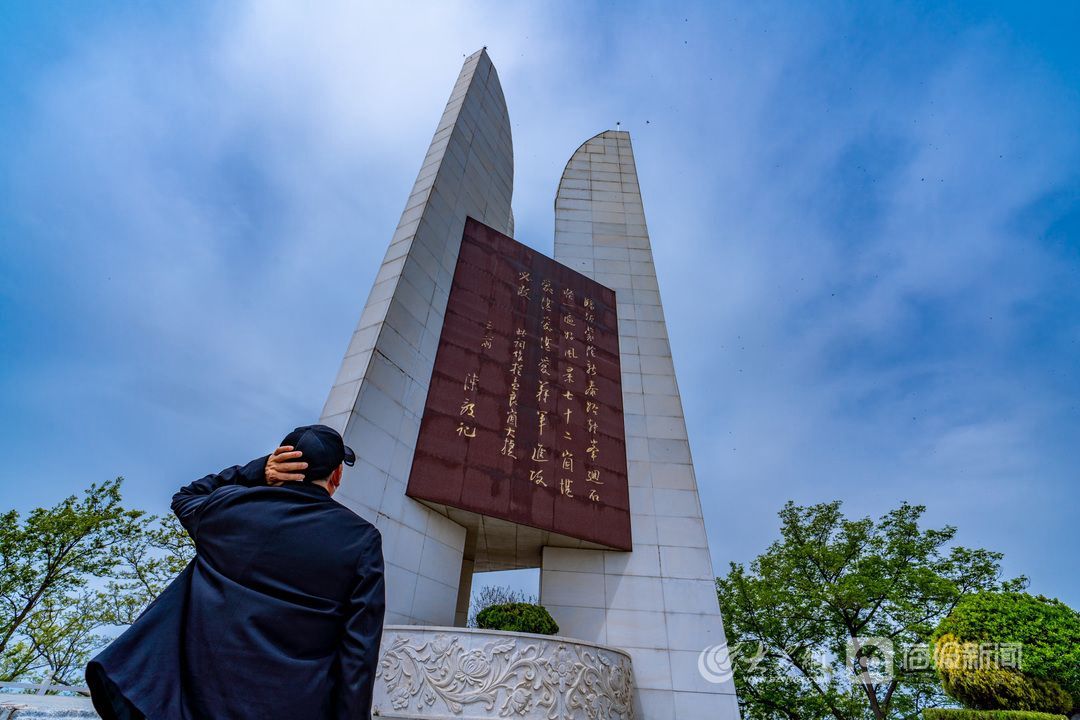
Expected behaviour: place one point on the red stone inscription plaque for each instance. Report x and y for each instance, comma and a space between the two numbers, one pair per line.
524, 417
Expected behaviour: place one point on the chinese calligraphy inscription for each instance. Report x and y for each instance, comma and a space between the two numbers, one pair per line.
524, 419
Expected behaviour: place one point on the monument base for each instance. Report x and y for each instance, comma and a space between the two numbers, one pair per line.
466, 674
38, 707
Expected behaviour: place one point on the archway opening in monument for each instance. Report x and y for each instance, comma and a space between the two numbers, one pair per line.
522, 585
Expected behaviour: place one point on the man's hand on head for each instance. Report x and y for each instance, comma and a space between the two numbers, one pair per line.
282, 466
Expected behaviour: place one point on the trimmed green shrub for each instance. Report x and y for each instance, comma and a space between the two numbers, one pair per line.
1048, 629
990, 687
946, 714
517, 617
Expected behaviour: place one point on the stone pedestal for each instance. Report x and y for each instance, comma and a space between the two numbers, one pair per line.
439, 673
39, 707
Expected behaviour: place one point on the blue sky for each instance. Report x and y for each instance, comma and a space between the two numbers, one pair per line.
865, 217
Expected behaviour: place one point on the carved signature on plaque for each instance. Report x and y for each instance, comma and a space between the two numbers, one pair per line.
554, 680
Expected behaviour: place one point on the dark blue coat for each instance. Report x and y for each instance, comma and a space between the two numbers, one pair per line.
278, 616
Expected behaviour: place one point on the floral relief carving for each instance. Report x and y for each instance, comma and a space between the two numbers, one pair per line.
428, 675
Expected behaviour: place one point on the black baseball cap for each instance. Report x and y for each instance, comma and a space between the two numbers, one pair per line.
323, 450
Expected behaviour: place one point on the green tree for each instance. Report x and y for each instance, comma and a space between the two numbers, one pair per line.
49, 557
802, 613
517, 617
1047, 633
148, 562
63, 634
969, 675
69, 572
495, 595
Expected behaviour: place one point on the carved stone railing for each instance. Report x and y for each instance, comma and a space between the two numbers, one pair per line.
466, 674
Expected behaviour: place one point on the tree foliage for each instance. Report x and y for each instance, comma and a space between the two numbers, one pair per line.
1047, 633
495, 595
518, 617
831, 585
989, 686
70, 572
953, 714
148, 563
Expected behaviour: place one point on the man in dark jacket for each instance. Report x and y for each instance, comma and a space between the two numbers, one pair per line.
281, 611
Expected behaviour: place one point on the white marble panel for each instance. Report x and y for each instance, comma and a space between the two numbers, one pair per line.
636, 628
632, 592
686, 562
652, 668
681, 532
714, 705
572, 588
693, 631
690, 596
676, 503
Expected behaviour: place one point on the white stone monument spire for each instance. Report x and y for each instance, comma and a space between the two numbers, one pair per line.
659, 601
378, 397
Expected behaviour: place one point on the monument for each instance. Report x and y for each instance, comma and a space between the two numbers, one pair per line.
509, 410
